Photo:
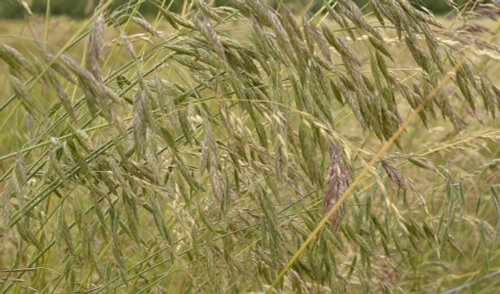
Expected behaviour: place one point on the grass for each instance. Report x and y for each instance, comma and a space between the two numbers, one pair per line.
243, 149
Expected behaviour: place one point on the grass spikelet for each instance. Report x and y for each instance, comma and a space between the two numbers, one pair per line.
308, 34
394, 175
63, 232
337, 181
379, 46
353, 13
340, 20
172, 92
175, 19
260, 36
159, 217
26, 97
145, 25
115, 221
21, 178
139, 125
77, 68
83, 138
295, 37
15, 59
168, 16
240, 5
78, 157
485, 89
211, 36
341, 46
208, 11
57, 66
56, 165
62, 95
320, 39
292, 22
128, 45
95, 91
377, 13
262, 14
283, 37
27, 235
462, 79
392, 15
418, 54
95, 44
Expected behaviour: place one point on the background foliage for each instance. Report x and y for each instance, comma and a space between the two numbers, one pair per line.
83, 8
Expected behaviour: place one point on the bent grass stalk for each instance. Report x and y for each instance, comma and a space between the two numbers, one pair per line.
407, 122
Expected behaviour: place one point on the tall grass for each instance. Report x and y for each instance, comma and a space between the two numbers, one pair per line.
243, 149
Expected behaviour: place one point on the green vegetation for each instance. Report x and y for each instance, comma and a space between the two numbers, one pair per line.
83, 8
246, 149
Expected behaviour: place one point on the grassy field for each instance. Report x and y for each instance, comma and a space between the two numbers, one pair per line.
247, 150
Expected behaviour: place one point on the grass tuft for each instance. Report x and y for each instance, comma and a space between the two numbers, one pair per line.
187, 152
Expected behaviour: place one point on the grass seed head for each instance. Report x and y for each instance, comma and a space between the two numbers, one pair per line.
337, 181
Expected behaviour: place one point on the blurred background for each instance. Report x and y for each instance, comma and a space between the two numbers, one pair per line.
83, 8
